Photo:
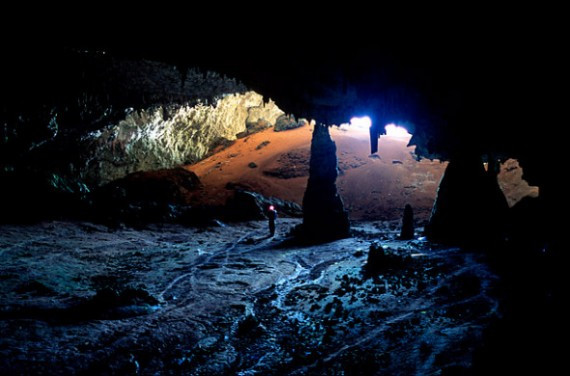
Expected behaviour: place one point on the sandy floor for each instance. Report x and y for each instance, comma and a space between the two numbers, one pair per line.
229, 300
372, 187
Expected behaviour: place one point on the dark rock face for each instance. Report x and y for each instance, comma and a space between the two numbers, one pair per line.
324, 217
145, 197
244, 206
528, 225
380, 260
407, 232
470, 206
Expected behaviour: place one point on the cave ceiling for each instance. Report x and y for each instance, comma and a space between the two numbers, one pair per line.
482, 94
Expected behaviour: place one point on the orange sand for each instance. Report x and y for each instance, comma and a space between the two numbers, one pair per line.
372, 188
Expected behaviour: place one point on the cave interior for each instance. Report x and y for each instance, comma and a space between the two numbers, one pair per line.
136, 180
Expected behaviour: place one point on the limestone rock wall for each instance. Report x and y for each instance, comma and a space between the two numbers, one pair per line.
92, 118
165, 137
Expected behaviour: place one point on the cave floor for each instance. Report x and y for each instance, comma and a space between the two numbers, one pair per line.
79, 298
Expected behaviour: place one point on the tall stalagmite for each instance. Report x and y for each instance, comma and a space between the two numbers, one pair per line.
407, 231
324, 217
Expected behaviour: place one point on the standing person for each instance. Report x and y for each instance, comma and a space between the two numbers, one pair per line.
272, 216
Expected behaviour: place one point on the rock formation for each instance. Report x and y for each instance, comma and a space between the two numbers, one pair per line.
285, 122
407, 232
324, 217
92, 118
166, 137
470, 206
143, 197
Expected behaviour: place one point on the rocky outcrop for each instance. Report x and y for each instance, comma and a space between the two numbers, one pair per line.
285, 122
165, 137
143, 197
324, 217
380, 260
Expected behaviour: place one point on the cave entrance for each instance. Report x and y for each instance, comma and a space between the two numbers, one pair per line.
377, 186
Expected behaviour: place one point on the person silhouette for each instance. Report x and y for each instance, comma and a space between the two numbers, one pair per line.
272, 216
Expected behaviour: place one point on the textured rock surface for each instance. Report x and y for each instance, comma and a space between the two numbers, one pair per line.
324, 217
285, 122
81, 119
165, 137
230, 297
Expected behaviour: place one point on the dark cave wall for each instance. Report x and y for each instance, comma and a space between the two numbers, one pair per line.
74, 120
470, 206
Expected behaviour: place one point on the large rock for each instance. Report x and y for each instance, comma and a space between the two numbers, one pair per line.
470, 206
144, 197
285, 122
324, 217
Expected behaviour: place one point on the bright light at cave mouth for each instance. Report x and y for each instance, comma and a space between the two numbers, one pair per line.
395, 131
363, 122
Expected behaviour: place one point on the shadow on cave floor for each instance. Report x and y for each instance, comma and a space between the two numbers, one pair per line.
231, 300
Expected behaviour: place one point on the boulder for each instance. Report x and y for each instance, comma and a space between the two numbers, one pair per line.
379, 260
285, 122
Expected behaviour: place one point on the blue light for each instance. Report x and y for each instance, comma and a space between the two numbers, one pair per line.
395, 131
363, 122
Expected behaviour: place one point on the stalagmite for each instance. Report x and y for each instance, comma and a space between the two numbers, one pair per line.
407, 232
324, 217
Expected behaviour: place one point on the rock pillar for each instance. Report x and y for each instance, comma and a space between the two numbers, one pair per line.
324, 217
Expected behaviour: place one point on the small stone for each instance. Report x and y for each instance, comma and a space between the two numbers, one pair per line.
262, 145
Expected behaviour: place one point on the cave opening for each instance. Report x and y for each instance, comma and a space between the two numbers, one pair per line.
396, 131
405, 177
